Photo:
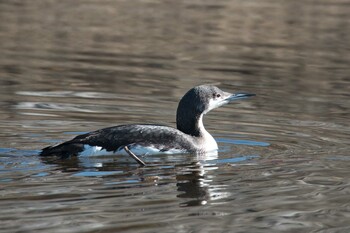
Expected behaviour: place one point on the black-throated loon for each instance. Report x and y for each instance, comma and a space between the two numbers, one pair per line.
143, 139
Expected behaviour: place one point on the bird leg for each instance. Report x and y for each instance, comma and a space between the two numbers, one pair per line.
138, 160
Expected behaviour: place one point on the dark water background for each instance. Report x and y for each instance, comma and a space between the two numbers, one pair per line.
68, 67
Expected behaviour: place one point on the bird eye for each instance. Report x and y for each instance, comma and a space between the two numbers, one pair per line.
216, 95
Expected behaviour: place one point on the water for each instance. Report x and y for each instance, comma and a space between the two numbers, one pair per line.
68, 68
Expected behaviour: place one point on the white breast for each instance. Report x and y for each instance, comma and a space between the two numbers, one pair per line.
208, 142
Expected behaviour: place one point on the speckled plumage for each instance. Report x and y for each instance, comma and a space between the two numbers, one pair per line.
115, 138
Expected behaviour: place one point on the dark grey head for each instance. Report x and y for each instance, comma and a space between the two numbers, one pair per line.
200, 100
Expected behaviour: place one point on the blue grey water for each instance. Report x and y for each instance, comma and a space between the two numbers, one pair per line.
283, 163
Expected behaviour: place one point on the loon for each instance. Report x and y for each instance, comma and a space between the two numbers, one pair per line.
189, 137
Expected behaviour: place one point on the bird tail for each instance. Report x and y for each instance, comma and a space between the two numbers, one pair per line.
63, 150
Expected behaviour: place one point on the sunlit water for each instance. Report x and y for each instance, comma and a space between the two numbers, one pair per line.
283, 165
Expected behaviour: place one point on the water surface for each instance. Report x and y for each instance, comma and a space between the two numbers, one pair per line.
68, 68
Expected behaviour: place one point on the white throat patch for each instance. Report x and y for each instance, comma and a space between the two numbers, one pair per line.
209, 143
214, 103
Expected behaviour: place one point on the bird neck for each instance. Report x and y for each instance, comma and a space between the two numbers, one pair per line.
189, 124
189, 115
